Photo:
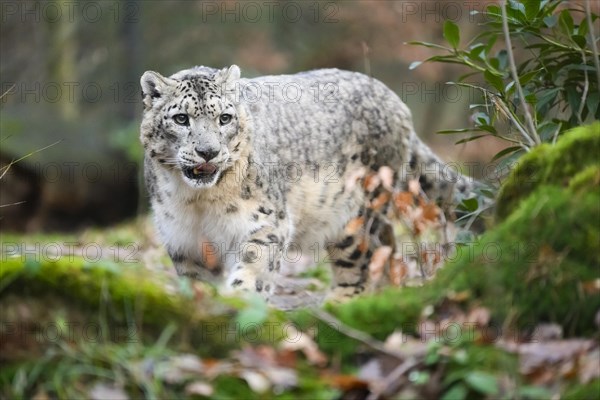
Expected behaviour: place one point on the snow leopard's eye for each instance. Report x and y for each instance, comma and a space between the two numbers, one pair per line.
224, 119
181, 119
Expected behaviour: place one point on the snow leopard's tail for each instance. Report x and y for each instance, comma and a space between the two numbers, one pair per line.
442, 182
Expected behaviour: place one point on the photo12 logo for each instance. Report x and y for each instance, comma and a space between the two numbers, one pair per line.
69, 11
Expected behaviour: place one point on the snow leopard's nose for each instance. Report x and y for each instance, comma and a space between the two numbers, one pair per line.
207, 154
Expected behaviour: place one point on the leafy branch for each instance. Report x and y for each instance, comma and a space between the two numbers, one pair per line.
541, 91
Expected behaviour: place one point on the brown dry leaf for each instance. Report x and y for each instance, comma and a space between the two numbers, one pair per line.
459, 297
479, 316
199, 388
591, 287
386, 174
589, 366
363, 246
431, 257
305, 344
354, 225
398, 271
181, 367
287, 358
431, 212
380, 200
345, 382
209, 252
414, 187
403, 201
377, 264
371, 182
534, 356
354, 177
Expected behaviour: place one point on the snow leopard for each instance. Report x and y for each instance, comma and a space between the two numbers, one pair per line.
244, 174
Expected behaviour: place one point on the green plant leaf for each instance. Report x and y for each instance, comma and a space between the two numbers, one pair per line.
525, 78
427, 44
452, 33
551, 21
534, 392
470, 204
482, 382
494, 80
453, 131
532, 7
506, 151
456, 392
493, 11
565, 21
470, 139
255, 313
414, 64
481, 118
579, 40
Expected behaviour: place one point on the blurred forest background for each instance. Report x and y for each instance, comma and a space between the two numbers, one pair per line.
70, 80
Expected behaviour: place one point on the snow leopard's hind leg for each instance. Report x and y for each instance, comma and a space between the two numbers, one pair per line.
351, 254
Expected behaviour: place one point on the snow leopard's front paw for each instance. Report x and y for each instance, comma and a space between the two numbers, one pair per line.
246, 281
342, 294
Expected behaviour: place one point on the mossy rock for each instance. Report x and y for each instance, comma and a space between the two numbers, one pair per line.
550, 165
539, 264
127, 302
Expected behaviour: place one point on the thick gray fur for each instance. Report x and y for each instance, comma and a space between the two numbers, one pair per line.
284, 162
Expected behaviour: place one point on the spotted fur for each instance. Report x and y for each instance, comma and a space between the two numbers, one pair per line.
283, 162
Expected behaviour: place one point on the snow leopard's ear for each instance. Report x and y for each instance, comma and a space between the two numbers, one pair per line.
228, 76
154, 86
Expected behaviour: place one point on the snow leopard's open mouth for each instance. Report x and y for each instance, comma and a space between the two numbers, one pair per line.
202, 172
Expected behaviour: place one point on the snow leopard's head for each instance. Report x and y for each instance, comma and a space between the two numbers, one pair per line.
192, 124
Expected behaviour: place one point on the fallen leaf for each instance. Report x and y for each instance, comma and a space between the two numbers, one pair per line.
414, 187
380, 201
371, 182
199, 388
479, 316
536, 355
363, 246
378, 260
257, 382
354, 177
209, 253
354, 225
591, 287
431, 212
589, 366
303, 342
398, 271
386, 175
179, 368
403, 201
346, 382
105, 391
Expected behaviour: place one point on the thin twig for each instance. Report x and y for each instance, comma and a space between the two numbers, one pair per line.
7, 167
12, 204
513, 70
8, 91
588, 16
354, 333
392, 378
586, 86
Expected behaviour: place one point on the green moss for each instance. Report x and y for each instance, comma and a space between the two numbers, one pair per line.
89, 283
550, 164
533, 266
588, 391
